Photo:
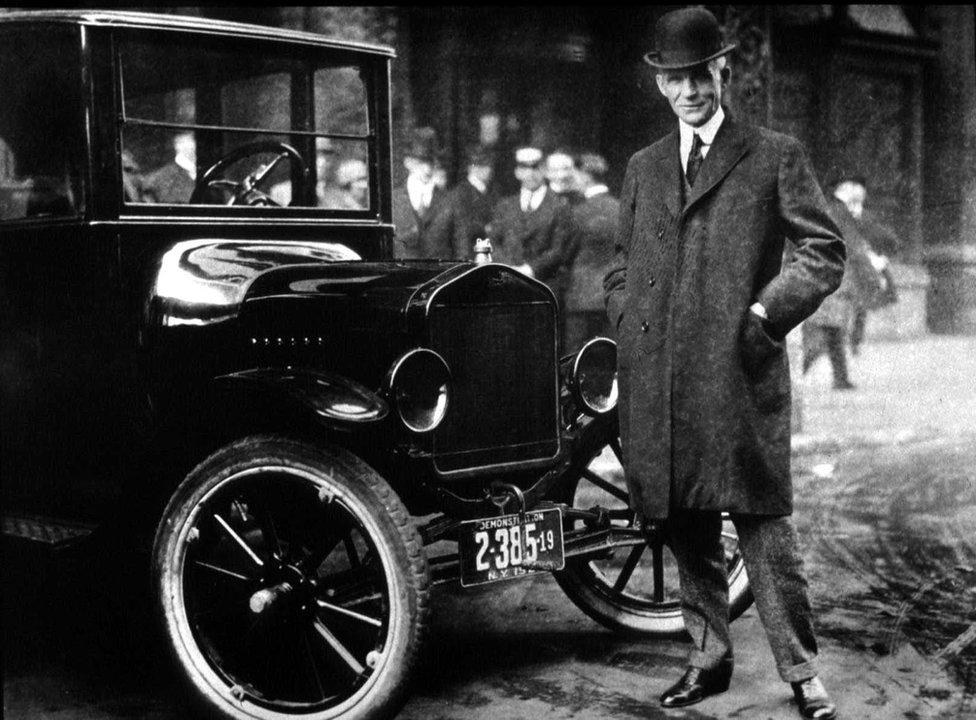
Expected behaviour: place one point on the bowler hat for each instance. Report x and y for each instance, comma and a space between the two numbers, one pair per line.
685, 38
423, 145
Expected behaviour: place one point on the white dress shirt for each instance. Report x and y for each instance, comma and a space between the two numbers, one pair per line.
706, 132
477, 184
530, 200
420, 193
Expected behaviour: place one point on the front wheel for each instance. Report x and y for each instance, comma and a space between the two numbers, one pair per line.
290, 582
633, 589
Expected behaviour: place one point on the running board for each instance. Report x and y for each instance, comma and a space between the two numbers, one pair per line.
40, 529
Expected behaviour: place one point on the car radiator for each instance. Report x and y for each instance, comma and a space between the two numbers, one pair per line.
503, 402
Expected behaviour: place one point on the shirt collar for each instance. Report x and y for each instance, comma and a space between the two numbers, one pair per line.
707, 131
595, 190
477, 184
536, 196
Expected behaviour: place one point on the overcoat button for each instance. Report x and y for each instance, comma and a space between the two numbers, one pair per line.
651, 282
645, 326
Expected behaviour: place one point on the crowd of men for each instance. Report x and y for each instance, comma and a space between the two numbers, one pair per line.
558, 228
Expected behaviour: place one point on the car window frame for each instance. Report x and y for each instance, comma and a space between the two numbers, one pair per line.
83, 202
375, 72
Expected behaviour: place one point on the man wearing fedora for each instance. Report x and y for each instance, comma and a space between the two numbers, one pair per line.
418, 205
703, 298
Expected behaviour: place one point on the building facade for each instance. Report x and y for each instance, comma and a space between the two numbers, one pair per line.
883, 91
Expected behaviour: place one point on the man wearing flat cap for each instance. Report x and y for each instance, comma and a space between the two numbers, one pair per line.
418, 205
532, 230
703, 298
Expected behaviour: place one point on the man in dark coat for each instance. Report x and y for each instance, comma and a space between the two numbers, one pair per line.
469, 203
418, 206
532, 229
596, 222
703, 299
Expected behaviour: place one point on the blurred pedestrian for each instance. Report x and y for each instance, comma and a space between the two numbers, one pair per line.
418, 204
703, 300
596, 220
532, 229
827, 330
469, 203
350, 189
882, 242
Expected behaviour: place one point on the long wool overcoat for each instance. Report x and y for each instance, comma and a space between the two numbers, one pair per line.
704, 382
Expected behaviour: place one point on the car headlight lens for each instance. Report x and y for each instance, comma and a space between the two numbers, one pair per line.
594, 378
418, 386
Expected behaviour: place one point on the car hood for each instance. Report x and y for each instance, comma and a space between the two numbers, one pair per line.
201, 282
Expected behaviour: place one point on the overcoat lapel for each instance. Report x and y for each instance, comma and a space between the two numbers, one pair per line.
730, 146
671, 173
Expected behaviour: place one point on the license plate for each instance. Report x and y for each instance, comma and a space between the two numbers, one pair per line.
502, 548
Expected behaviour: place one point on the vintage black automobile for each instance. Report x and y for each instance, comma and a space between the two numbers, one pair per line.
207, 342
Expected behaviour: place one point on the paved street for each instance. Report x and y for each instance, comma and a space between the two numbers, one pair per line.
886, 506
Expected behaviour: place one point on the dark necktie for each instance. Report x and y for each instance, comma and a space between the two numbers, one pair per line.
695, 158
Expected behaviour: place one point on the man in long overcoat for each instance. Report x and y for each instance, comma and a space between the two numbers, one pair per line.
703, 298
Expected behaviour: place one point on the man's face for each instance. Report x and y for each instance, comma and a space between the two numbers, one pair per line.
530, 176
695, 94
359, 189
561, 172
481, 172
852, 194
423, 169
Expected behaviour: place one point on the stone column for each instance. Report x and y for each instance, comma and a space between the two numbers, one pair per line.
950, 172
748, 26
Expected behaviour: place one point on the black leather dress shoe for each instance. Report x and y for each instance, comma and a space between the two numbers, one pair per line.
697, 684
813, 701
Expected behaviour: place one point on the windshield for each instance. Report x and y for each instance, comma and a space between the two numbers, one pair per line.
218, 122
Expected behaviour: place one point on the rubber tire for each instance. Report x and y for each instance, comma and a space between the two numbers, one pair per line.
397, 543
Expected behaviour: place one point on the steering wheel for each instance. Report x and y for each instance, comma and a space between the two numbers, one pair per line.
246, 192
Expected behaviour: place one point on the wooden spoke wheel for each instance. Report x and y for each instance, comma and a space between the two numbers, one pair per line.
290, 583
633, 589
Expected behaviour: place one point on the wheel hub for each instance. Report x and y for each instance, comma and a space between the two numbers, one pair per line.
289, 584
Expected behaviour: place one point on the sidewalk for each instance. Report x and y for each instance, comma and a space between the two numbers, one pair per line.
904, 391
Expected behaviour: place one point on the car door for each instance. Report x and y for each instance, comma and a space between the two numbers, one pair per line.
58, 286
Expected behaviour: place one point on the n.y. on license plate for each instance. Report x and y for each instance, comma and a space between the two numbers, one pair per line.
502, 548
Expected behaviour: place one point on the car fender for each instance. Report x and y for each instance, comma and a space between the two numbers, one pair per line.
333, 400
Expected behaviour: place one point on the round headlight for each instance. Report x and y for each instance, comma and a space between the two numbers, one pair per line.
418, 387
594, 378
